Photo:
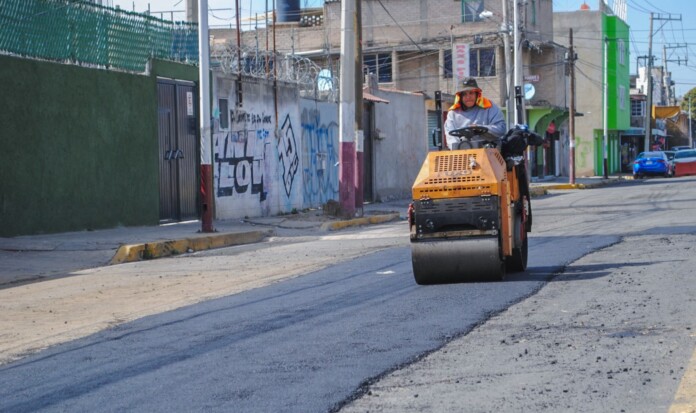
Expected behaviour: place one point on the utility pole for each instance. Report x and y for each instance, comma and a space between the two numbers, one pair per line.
691, 139
649, 102
571, 119
648, 97
605, 115
509, 102
204, 104
520, 114
671, 97
665, 82
359, 137
346, 115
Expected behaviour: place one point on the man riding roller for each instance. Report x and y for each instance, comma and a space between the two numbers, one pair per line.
470, 108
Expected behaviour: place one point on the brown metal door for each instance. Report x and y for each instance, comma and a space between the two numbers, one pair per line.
179, 151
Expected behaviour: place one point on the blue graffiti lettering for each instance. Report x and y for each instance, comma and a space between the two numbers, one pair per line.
320, 174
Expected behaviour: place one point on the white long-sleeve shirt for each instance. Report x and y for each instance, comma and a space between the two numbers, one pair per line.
492, 118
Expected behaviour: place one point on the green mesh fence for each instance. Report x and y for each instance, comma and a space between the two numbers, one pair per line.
86, 33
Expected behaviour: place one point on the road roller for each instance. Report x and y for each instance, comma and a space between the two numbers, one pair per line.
471, 211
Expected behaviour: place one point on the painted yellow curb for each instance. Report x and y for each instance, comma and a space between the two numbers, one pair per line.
158, 249
374, 219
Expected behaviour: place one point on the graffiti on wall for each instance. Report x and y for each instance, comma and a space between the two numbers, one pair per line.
320, 157
287, 155
240, 155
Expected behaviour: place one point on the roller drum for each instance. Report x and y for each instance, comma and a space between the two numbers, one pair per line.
457, 260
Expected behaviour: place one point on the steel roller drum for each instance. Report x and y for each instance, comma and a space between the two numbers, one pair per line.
457, 260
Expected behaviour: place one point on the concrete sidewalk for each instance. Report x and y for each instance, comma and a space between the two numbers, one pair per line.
31, 258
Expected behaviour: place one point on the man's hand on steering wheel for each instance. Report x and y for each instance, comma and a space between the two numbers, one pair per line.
469, 132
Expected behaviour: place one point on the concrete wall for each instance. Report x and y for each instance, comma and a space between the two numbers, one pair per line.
398, 157
256, 159
267, 164
320, 149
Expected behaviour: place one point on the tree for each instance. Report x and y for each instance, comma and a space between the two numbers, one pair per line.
690, 95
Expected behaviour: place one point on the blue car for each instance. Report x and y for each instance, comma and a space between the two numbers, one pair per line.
651, 163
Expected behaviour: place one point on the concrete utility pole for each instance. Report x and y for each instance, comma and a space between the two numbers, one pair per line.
667, 79
605, 114
204, 104
648, 97
519, 114
192, 11
346, 115
571, 119
664, 80
509, 100
691, 139
359, 137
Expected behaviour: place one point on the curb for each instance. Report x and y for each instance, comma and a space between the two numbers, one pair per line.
375, 219
158, 249
543, 190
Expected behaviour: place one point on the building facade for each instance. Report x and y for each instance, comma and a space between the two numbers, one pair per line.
601, 44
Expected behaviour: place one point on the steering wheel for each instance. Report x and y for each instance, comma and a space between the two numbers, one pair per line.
469, 132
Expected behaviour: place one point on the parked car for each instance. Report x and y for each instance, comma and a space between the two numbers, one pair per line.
685, 162
670, 163
681, 148
651, 163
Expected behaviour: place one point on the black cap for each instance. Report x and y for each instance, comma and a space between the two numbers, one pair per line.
470, 84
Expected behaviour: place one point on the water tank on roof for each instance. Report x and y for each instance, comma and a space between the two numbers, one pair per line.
288, 11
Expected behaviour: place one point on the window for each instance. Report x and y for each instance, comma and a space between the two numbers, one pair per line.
621, 46
482, 62
622, 97
636, 108
448, 65
471, 10
379, 64
224, 115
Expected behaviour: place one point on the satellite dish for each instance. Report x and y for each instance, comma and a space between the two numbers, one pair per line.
529, 91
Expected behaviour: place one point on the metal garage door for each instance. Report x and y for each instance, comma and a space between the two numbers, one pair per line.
179, 158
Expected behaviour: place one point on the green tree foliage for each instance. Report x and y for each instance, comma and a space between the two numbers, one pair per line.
690, 95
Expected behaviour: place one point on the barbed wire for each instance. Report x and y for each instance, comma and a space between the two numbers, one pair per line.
311, 79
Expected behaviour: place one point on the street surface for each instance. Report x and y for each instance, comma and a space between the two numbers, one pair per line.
317, 322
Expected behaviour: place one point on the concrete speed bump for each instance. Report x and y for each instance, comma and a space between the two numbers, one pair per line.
159, 249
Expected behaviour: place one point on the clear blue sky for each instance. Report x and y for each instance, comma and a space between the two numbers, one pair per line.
665, 33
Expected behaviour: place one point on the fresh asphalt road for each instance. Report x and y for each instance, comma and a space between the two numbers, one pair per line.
314, 342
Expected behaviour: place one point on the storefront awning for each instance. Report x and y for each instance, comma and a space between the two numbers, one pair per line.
539, 118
